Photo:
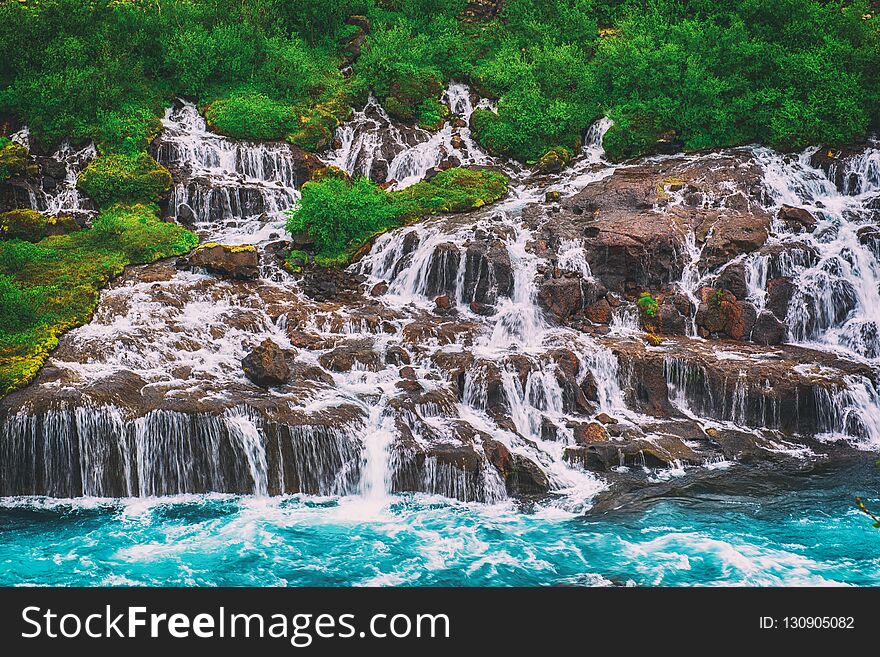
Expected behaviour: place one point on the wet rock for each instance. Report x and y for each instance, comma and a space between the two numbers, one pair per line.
870, 236
731, 233
659, 452
354, 355
599, 312
721, 313
673, 312
239, 262
733, 279
552, 196
797, 219
379, 289
591, 432
488, 272
768, 329
834, 162
439, 331
779, 294
397, 356
442, 271
561, 296
266, 365
442, 303
521, 475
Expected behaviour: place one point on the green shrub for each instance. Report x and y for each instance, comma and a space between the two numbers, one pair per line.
134, 178
52, 286
33, 226
247, 115
14, 161
648, 304
339, 214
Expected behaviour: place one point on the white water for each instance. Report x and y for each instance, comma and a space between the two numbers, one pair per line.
185, 335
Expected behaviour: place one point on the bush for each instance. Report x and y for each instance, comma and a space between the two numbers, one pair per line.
338, 214
131, 178
248, 115
52, 286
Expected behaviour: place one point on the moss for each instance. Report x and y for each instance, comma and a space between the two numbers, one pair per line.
453, 190
250, 115
15, 162
240, 248
117, 178
647, 304
52, 286
432, 114
342, 216
554, 160
315, 128
30, 225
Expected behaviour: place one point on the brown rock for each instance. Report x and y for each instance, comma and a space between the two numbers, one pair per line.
239, 262
266, 365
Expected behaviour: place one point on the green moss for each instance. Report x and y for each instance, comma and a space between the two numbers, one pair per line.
33, 226
432, 114
136, 178
648, 304
342, 215
453, 190
554, 160
52, 286
14, 161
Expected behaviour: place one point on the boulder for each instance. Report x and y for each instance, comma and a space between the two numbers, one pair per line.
733, 279
720, 312
562, 296
521, 475
266, 365
779, 293
768, 329
797, 220
239, 262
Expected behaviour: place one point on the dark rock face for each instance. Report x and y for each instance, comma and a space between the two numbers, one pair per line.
835, 163
634, 236
266, 365
779, 294
239, 262
488, 273
658, 453
562, 296
768, 329
733, 279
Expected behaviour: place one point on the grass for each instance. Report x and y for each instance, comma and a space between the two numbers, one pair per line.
51, 286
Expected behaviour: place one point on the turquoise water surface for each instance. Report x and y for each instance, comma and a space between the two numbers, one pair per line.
811, 535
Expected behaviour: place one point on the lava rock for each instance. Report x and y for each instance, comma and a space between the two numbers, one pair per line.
266, 365
239, 262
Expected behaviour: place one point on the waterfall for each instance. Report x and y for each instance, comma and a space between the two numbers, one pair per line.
835, 272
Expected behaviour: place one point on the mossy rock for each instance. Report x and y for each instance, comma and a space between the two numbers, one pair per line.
432, 114
52, 286
554, 160
454, 190
407, 98
15, 161
125, 178
30, 225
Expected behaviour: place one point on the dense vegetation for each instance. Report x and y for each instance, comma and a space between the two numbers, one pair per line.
696, 74
52, 285
339, 214
699, 73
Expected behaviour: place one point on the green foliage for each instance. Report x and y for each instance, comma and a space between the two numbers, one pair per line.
453, 190
135, 178
33, 226
51, 286
338, 214
698, 73
341, 214
647, 304
251, 115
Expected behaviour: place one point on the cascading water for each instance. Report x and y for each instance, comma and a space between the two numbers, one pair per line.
835, 271
56, 192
